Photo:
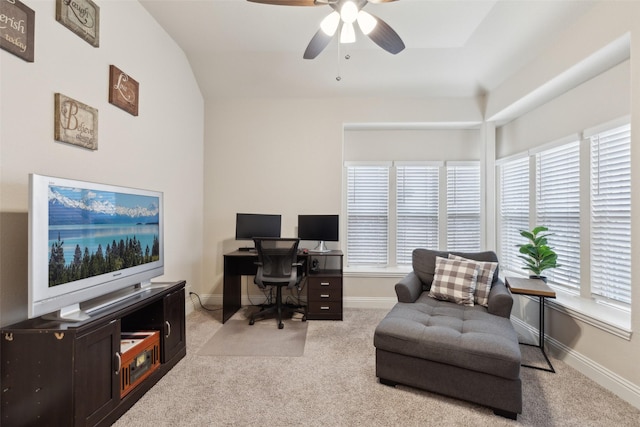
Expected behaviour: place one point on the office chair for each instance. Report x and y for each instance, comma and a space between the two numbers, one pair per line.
278, 267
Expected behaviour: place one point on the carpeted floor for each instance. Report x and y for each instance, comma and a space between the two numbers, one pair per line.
334, 384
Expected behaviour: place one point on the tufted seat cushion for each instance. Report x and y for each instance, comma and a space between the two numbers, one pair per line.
463, 336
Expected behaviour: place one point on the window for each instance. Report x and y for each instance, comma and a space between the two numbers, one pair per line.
417, 208
368, 214
409, 199
558, 208
463, 207
513, 211
611, 214
592, 236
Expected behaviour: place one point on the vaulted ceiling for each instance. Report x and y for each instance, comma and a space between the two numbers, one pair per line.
454, 48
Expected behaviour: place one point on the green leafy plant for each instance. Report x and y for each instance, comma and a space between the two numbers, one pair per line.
537, 254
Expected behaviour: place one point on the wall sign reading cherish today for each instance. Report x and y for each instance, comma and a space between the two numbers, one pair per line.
17, 23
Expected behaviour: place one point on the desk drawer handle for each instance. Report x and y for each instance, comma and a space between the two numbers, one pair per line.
324, 295
324, 283
324, 307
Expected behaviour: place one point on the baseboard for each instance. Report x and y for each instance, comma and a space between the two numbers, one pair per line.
349, 302
613, 382
369, 302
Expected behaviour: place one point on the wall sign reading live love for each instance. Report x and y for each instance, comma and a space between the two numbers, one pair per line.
82, 17
75, 123
17, 22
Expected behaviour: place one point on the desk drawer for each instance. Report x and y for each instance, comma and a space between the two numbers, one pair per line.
325, 284
328, 309
325, 294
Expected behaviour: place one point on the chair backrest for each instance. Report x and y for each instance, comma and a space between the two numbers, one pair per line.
276, 258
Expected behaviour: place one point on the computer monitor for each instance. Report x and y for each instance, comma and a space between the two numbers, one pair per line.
322, 228
250, 225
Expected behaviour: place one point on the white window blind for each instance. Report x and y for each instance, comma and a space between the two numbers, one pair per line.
463, 207
367, 215
513, 211
416, 210
558, 208
611, 214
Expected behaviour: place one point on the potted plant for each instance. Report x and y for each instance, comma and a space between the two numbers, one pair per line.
537, 254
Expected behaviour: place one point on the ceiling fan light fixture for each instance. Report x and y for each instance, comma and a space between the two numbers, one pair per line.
366, 22
330, 23
349, 12
347, 34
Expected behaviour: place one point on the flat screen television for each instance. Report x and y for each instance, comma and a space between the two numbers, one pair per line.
89, 240
249, 225
322, 228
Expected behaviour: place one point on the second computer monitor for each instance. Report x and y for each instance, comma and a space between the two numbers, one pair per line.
321, 228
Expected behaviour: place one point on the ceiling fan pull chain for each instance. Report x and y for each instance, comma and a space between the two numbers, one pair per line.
338, 78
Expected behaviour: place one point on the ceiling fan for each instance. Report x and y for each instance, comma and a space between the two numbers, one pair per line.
345, 13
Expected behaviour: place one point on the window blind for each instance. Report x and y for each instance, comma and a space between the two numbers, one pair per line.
367, 215
611, 214
416, 210
513, 211
558, 208
463, 207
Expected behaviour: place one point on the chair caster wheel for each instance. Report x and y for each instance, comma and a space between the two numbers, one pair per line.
280, 325
251, 322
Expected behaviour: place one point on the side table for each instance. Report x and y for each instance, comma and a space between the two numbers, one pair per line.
536, 288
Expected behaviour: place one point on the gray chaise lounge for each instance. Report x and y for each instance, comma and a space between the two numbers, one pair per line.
466, 352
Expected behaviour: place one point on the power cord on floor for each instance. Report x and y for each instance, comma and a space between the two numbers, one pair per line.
202, 305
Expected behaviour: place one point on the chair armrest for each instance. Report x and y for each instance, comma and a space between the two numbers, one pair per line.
409, 288
500, 300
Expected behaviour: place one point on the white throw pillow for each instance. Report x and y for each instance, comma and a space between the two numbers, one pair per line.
454, 280
485, 278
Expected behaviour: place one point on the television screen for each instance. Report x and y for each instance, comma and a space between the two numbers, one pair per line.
323, 228
249, 226
87, 240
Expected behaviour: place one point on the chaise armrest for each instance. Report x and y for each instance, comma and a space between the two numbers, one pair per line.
500, 300
409, 288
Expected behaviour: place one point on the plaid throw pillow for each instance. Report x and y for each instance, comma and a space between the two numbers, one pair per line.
485, 278
454, 280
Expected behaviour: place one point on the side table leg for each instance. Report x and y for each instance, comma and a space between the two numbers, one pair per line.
541, 333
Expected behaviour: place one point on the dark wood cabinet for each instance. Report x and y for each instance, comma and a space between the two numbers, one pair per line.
96, 373
68, 374
324, 286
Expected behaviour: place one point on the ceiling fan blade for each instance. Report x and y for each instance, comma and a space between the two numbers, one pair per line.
385, 37
381, 1
317, 44
287, 2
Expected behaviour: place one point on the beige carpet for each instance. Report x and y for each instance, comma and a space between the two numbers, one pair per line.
237, 338
334, 384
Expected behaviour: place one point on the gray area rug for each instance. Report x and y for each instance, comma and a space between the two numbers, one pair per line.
334, 384
237, 338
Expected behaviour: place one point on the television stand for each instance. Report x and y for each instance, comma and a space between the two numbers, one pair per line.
69, 374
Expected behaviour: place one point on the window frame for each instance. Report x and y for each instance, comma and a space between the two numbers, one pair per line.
392, 242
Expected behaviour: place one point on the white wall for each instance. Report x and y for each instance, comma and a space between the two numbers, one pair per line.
601, 355
161, 149
413, 145
286, 156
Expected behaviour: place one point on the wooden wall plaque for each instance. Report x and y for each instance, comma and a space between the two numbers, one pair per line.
123, 90
75, 123
17, 23
82, 17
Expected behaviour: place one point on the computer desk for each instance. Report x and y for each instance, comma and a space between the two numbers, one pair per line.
327, 284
